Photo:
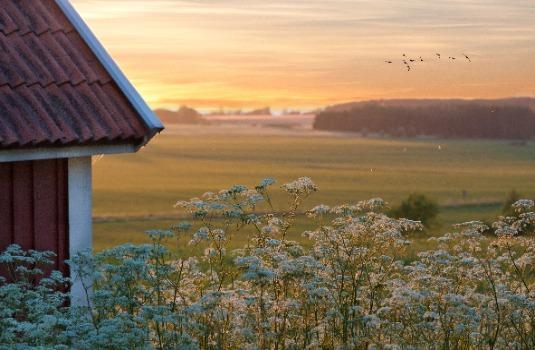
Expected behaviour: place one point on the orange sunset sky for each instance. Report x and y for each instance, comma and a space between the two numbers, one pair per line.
306, 54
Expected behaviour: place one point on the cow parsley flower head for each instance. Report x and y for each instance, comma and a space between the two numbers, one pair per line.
159, 234
371, 205
182, 226
504, 229
302, 186
268, 181
371, 321
318, 211
253, 197
202, 234
237, 189
524, 205
211, 252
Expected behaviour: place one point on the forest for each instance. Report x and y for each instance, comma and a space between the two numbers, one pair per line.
454, 121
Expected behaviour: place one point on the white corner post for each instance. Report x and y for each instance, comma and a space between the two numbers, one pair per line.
80, 217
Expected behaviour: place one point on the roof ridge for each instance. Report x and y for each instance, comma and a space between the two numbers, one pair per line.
54, 83
48, 31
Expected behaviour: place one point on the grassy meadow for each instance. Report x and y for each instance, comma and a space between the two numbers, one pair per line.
136, 192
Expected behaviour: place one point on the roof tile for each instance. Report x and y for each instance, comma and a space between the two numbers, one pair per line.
53, 89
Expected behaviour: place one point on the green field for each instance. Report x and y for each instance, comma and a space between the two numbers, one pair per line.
137, 192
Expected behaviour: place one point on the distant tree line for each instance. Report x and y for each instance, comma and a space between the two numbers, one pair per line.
184, 115
259, 111
444, 121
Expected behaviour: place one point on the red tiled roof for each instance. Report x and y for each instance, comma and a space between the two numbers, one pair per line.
54, 91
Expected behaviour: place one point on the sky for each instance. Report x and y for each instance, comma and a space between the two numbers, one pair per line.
230, 54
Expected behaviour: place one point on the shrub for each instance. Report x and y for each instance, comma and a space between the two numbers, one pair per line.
32, 307
417, 207
348, 290
512, 198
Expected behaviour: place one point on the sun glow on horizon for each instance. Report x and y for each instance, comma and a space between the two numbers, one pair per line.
307, 54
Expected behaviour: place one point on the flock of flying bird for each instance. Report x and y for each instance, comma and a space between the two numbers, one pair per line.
408, 61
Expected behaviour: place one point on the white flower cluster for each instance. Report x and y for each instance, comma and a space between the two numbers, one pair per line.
522, 223
350, 287
303, 186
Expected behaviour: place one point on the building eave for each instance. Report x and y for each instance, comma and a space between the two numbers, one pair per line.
150, 119
18, 155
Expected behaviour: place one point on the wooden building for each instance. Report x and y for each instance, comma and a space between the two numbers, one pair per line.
62, 100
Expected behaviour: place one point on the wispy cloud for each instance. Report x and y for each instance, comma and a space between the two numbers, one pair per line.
304, 53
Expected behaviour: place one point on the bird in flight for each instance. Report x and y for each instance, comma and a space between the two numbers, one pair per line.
407, 61
406, 64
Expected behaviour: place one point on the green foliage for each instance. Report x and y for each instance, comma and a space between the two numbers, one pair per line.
417, 207
32, 306
349, 289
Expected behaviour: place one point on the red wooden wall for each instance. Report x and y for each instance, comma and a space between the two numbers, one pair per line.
34, 207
